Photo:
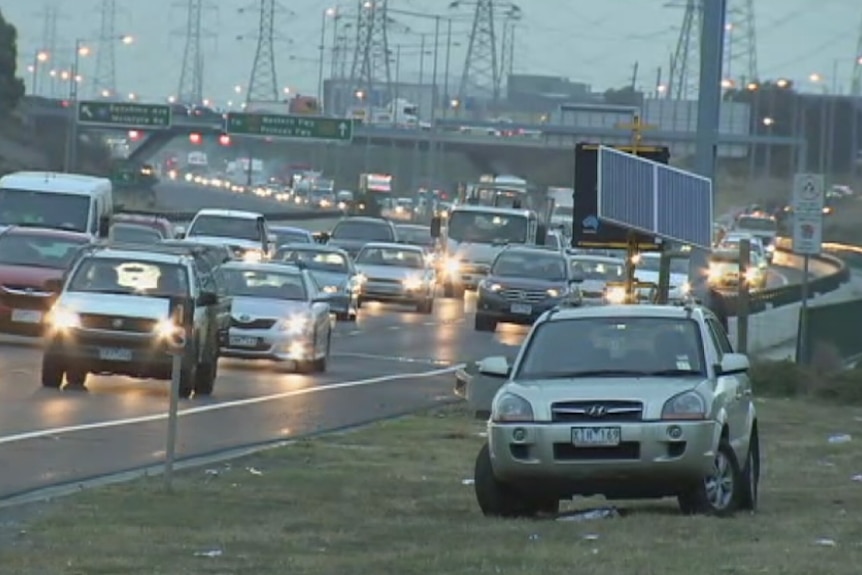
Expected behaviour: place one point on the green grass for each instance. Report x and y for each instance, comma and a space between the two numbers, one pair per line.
390, 499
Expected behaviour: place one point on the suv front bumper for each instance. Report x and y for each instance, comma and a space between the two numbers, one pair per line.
135, 355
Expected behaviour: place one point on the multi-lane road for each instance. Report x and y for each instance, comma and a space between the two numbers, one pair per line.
390, 361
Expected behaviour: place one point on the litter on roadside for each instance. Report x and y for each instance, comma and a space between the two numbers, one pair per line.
826, 542
254, 470
212, 553
839, 438
591, 514
468, 481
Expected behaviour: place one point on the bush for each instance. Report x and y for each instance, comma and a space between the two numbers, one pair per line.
790, 380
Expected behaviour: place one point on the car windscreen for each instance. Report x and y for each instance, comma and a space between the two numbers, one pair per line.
134, 234
130, 276
613, 346
315, 260
44, 209
281, 285
391, 256
598, 270
481, 227
225, 227
756, 224
370, 231
530, 265
38, 251
653, 264
292, 238
415, 236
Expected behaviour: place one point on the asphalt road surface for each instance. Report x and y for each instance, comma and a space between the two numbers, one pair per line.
390, 361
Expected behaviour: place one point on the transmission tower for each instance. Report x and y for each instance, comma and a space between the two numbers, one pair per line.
740, 43
481, 76
263, 83
49, 15
341, 50
507, 49
684, 64
856, 83
105, 78
191, 86
371, 53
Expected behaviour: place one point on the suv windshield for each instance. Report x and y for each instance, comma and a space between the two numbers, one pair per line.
226, 227
384, 256
289, 237
322, 261
530, 265
264, 284
362, 230
124, 276
598, 270
45, 209
613, 347
32, 250
487, 228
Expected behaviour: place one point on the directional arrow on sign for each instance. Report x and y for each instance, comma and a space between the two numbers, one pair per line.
85, 110
342, 129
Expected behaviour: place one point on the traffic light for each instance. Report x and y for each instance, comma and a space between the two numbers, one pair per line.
224, 140
195, 138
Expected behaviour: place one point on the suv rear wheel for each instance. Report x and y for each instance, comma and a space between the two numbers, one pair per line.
52, 371
206, 371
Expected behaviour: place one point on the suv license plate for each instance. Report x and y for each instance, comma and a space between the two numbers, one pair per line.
26, 316
115, 354
595, 436
522, 309
240, 341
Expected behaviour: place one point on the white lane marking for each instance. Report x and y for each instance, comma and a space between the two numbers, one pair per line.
224, 405
394, 327
396, 359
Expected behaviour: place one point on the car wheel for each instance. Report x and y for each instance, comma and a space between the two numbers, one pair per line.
484, 323
52, 372
750, 476
188, 374
205, 375
76, 377
319, 365
495, 498
718, 493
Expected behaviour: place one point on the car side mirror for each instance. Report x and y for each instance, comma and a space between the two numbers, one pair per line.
322, 237
436, 226
54, 285
104, 226
733, 363
207, 299
180, 232
496, 366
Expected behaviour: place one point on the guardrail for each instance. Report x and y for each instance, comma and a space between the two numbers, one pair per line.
762, 300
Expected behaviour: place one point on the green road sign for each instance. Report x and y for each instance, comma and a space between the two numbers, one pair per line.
124, 175
284, 126
124, 115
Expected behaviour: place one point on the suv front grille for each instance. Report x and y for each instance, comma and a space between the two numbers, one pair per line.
252, 324
529, 295
598, 412
117, 323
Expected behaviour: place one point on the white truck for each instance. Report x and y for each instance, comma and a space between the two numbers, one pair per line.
399, 113
473, 237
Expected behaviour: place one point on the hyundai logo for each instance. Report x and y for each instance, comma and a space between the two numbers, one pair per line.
522, 295
597, 411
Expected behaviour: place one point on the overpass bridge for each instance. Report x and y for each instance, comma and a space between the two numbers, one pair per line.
541, 147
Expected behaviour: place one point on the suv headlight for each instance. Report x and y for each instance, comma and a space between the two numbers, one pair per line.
63, 319
330, 289
559, 292
615, 295
485, 285
296, 324
686, 405
252, 256
413, 283
166, 328
510, 407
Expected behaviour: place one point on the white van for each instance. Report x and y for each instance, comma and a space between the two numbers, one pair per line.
71, 202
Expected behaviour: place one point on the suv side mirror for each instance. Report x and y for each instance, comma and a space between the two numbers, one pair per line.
496, 366
104, 226
54, 285
321, 237
180, 232
436, 227
207, 299
733, 363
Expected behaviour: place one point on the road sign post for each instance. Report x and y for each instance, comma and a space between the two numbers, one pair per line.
181, 316
289, 127
124, 115
743, 296
808, 202
654, 199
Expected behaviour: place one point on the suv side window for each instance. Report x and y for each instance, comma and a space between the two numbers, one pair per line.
206, 280
719, 336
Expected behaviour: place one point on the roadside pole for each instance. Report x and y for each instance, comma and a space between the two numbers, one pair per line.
743, 300
177, 344
808, 202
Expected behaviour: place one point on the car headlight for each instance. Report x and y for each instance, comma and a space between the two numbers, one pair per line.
166, 328
63, 319
485, 285
330, 289
752, 274
686, 405
558, 292
510, 407
360, 279
413, 283
615, 295
252, 256
452, 266
342, 206
296, 324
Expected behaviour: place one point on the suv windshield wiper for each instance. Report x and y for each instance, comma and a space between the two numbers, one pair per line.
673, 372
588, 373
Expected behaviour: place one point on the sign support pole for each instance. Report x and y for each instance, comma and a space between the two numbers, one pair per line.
743, 299
803, 313
631, 256
170, 448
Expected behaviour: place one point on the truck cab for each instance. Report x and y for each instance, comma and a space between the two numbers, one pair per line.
474, 236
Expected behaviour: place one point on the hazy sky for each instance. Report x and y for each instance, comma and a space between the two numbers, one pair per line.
595, 41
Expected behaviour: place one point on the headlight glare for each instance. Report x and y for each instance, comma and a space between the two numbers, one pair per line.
166, 328
62, 319
615, 295
296, 324
413, 283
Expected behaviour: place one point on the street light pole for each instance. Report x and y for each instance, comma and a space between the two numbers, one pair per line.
448, 57
432, 152
320, 58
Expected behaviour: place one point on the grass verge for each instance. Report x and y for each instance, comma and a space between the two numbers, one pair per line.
390, 499
826, 380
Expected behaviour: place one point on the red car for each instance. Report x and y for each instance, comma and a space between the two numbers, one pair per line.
29, 258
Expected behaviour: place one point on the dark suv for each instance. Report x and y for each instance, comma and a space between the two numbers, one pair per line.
351, 234
523, 283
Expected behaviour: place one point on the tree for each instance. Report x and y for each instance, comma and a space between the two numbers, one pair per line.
11, 87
